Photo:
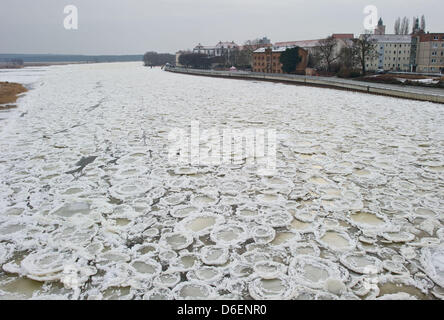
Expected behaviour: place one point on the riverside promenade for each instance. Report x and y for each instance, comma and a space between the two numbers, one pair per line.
407, 92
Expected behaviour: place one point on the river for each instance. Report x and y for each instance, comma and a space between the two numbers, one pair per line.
92, 208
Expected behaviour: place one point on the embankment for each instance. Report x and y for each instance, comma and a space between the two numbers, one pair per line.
421, 94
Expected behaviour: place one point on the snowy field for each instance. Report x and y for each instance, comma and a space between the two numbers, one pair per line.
90, 207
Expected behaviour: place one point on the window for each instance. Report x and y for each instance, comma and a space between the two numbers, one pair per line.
435, 38
433, 53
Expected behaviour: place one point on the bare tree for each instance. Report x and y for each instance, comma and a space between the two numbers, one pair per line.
398, 26
244, 57
314, 60
327, 51
423, 23
364, 49
405, 26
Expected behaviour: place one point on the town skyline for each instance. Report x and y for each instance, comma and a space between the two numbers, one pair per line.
171, 25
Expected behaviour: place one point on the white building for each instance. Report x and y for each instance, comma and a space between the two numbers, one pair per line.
393, 53
218, 50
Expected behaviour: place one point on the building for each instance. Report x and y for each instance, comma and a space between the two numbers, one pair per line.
393, 53
208, 50
267, 60
178, 54
309, 45
256, 44
220, 49
264, 42
343, 36
380, 28
429, 52
343, 40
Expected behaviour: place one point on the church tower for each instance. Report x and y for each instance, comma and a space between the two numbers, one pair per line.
380, 29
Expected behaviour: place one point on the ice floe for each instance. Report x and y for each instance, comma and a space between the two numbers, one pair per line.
91, 208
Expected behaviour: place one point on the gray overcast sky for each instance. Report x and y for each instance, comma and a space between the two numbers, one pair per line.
136, 26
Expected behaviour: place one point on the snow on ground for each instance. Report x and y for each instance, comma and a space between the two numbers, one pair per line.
91, 208
26, 76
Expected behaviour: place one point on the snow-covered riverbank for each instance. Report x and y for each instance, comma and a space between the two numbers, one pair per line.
26, 77
354, 211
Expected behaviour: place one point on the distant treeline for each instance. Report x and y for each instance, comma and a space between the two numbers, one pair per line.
152, 58
15, 62
43, 58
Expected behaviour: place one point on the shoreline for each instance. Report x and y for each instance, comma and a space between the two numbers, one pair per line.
323, 82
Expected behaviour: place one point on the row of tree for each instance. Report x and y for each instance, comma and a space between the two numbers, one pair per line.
12, 62
196, 60
402, 26
238, 58
354, 55
152, 58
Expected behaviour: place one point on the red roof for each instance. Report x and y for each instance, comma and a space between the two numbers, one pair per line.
343, 35
426, 37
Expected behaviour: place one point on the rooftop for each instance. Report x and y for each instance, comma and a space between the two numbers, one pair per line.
343, 35
302, 43
392, 38
425, 37
220, 44
274, 49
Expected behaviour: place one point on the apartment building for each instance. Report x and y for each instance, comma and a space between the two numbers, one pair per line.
393, 53
267, 60
429, 53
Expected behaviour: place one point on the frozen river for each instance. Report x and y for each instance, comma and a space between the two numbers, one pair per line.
91, 208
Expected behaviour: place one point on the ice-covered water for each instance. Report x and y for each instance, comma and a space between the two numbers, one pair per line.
90, 208
27, 77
